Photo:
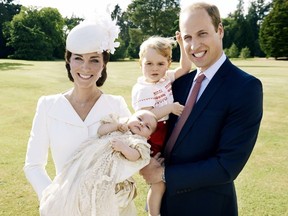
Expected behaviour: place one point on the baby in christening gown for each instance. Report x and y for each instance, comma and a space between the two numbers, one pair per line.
98, 178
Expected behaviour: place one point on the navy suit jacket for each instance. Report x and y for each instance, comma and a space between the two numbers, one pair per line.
214, 144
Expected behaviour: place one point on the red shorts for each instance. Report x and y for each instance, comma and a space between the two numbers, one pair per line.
158, 137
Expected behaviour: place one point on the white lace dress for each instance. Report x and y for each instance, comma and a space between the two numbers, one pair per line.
97, 180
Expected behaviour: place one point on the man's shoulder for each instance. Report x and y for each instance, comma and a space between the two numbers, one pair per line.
237, 71
185, 78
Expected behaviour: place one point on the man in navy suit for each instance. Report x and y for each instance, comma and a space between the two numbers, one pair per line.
221, 130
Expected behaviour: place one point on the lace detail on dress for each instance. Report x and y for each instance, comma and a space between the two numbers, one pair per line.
98, 187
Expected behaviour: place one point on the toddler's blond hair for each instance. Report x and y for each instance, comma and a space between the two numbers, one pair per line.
162, 45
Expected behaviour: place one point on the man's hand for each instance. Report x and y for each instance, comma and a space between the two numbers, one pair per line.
152, 173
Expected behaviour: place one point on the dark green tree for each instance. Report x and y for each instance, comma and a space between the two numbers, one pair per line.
245, 53
7, 10
233, 51
52, 24
243, 36
36, 34
135, 41
124, 36
273, 35
151, 17
257, 10
154, 17
230, 29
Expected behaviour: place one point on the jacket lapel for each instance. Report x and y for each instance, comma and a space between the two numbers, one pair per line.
62, 110
207, 95
99, 110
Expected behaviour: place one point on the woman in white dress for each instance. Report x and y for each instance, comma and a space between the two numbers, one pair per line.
63, 121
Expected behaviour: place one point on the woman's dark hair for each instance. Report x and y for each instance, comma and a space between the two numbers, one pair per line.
101, 80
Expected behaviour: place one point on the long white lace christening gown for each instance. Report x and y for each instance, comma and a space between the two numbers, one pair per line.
97, 181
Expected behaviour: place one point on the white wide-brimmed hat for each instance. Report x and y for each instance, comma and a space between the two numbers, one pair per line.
93, 36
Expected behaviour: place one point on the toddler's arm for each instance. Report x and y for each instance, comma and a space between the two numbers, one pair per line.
160, 112
185, 63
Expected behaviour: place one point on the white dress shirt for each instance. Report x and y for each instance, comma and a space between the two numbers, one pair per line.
209, 73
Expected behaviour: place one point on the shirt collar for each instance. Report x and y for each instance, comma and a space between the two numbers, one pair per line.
142, 80
211, 71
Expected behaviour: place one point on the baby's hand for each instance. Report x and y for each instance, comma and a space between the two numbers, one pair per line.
177, 109
122, 127
117, 144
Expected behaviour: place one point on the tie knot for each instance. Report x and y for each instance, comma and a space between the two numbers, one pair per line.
200, 77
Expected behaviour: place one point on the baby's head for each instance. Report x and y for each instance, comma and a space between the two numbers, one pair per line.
143, 123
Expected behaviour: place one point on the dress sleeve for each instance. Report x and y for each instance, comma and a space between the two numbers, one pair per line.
129, 168
37, 151
123, 113
139, 143
124, 110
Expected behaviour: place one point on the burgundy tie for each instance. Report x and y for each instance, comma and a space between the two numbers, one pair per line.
186, 112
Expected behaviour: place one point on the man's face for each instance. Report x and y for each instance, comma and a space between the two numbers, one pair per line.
203, 45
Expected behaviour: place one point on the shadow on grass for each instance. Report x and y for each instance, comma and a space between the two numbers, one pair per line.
12, 66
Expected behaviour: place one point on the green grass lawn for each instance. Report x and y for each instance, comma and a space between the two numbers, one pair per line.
262, 186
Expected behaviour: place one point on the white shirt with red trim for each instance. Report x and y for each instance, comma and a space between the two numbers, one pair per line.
145, 94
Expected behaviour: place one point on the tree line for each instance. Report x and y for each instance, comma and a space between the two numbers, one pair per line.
32, 33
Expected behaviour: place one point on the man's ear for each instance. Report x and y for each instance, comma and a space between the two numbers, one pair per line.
221, 30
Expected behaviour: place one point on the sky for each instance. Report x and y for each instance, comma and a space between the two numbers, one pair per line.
85, 8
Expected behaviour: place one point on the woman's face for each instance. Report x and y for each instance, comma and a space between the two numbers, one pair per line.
86, 69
